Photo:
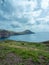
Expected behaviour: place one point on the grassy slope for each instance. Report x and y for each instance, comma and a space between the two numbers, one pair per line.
38, 54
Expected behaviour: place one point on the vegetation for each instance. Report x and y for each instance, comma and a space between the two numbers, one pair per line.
23, 53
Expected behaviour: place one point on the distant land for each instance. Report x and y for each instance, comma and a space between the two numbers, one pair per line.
46, 42
6, 33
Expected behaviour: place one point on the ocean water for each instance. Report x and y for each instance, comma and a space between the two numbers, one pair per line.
37, 37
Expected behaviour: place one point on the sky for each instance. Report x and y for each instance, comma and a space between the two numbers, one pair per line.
18, 15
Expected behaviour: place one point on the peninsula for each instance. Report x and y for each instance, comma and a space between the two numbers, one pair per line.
6, 33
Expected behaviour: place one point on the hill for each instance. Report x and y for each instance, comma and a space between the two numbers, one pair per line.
25, 32
6, 33
23, 53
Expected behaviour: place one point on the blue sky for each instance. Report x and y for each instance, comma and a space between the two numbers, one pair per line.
17, 15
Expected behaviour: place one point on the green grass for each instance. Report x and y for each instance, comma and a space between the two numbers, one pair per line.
38, 52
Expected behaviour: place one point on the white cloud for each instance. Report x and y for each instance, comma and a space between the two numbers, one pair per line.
31, 21
36, 13
40, 28
26, 10
44, 4
43, 20
16, 24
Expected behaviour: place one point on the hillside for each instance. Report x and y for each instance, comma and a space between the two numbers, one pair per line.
25, 32
5, 33
23, 53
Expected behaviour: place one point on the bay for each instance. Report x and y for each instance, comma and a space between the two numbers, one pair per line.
37, 37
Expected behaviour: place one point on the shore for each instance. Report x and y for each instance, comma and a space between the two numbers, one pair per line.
24, 53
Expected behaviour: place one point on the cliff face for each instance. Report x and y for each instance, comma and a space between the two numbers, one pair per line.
5, 33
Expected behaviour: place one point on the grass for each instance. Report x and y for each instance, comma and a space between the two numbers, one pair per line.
37, 53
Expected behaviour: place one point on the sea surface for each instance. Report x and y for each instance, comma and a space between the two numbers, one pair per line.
37, 37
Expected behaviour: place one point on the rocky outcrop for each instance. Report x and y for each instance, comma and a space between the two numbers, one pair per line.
4, 34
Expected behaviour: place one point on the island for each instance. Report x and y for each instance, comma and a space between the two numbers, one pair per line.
6, 33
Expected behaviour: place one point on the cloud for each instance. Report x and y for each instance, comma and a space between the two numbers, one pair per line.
16, 24
44, 4
24, 14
